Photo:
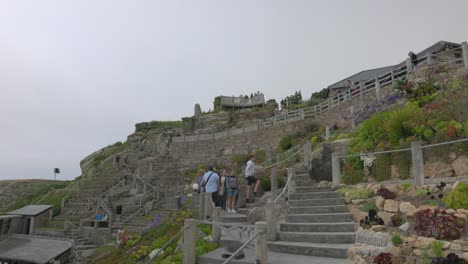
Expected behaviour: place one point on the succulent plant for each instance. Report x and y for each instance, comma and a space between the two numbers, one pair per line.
386, 193
459, 222
383, 258
453, 233
438, 224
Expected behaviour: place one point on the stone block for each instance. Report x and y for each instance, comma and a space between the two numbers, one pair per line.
407, 208
391, 206
460, 166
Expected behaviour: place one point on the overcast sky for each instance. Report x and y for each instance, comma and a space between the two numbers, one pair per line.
76, 76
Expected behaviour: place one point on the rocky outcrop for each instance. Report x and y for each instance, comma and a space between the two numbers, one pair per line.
460, 166
438, 169
321, 159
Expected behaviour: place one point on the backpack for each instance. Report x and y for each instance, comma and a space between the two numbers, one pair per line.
231, 182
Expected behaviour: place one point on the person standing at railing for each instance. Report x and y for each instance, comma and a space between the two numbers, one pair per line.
211, 184
250, 177
414, 62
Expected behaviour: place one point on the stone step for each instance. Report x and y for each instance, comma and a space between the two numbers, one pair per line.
318, 209
318, 227
300, 189
233, 218
315, 202
313, 195
84, 247
310, 249
318, 237
305, 182
302, 177
319, 218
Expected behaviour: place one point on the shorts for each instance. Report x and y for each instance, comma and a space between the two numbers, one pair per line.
251, 180
232, 192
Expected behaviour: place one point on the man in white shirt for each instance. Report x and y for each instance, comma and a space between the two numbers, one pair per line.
211, 184
250, 177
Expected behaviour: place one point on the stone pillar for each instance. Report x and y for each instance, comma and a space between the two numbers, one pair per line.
195, 201
208, 206
307, 153
242, 196
418, 163
327, 132
361, 88
273, 179
377, 90
201, 205
335, 170
216, 229
409, 67
292, 182
261, 248
353, 121
190, 237
270, 216
464, 46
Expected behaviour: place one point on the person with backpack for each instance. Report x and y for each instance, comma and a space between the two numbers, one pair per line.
211, 184
232, 191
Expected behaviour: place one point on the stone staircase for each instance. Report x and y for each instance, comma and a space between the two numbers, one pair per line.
318, 223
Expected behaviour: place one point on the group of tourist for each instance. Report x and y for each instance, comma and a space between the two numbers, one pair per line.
224, 186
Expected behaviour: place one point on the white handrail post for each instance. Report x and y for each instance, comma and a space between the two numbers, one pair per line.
335, 169
464, 47
262, 243
216, 229
189, 242
377, 89
327, 132
418, 163
270, 216
292, 183
429, 58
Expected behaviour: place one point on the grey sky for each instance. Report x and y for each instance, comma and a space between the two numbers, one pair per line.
77, 75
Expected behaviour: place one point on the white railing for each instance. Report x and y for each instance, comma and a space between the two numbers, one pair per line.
359, 89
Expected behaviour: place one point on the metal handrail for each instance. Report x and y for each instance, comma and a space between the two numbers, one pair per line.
285, 188
242, 247
288, 158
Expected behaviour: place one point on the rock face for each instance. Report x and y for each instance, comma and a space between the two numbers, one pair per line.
321, 159
407, 208
379, 202
438, 169
460, 166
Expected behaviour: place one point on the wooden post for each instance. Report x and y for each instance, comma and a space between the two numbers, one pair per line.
335, 169
377, 89
409, 67
429, 58
262, 243
327, 132
353, 121
464, 46
418, 163
270, 216
292, 182
188, 246
273, 179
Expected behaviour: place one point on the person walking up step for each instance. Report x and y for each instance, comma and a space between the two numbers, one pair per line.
250, 177
211, 184
232, 191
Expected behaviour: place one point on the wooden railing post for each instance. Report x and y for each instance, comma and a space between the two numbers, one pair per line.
464, 47
270, 216
418, 163
409, 67
216, 229
327, 132
292, 182
273, 179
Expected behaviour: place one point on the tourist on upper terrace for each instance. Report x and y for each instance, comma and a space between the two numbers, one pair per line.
211, 184
232, 191
250, 177
414, 62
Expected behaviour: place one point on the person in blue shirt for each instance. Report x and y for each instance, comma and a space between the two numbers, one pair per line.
211, 184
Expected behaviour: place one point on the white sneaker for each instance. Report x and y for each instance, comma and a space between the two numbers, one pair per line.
229, 210
233, 211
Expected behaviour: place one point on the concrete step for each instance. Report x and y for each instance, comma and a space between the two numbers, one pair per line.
313, 195
300, 189
318, 209
84, 247
318, 227
302, 177
318, 237
310, 249
233, 218
319, 218
305, 182
315, 202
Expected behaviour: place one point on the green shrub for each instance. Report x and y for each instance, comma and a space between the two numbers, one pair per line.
352, 193
265, 184
352, 176
402, 161
239, 159
405, 186
369, 205
421, 192
437, 248
457, 198
286, 143
381, 169
260, 155
396, 240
